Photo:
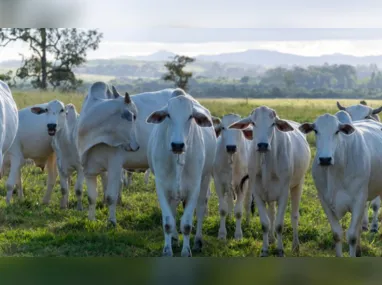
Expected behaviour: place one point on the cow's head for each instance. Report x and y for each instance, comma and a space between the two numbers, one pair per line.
71, 112
343, 117
129, 113
361, 111
264, 121
231, 137
328, 130
55, 115
180, 113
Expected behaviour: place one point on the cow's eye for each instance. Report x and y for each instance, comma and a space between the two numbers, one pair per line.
223, 128
190, 117
135, 117
274, 124
315, 132
168, 115
46, 110
337, 132
62, 110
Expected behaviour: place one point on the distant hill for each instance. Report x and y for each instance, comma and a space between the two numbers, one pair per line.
161, 55
274, 58
266, 58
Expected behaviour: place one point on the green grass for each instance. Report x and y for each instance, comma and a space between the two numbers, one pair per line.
28, 228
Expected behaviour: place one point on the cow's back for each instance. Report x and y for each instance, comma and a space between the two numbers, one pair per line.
372, 139
9, 118
32, 136
299, 153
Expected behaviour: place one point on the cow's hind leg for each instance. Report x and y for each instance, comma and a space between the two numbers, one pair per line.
375, 205
200, 211
295, 194
13, 178
52, 176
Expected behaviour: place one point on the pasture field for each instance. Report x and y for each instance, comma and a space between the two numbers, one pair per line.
28, 228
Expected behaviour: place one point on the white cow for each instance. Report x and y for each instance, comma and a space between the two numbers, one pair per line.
346, 171
362, 112
181, 152
107, 140
61, 122
231, 164
9, 120
278, 160
32, 142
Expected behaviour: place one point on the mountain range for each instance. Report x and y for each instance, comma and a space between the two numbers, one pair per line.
271, 58
266, 58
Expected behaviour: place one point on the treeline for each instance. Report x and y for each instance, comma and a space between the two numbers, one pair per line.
156, 69
327, 81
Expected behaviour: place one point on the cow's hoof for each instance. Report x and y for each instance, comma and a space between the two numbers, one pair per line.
186, 252
264, 253
112, 224
238, 235
280, 253
167, 251
198, 245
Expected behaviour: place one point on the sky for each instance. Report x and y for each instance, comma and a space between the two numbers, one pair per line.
141, 27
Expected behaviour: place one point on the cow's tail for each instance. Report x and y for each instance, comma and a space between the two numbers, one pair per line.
245, 178
252, 204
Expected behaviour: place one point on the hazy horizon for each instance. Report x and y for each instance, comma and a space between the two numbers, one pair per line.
119, 42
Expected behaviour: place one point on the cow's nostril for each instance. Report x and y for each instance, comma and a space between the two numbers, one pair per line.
52, 126
231, 148
262, 146
177, 147
325, 160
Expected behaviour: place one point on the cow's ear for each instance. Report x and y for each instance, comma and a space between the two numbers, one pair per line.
157, 116
283, 125
218, 130
346, 129
38, 110
242, 124
248, 134
216, 120
306, 128
201, 119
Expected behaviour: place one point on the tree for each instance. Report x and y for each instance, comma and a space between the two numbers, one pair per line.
55, 52
244, 79
176, 73
6, 77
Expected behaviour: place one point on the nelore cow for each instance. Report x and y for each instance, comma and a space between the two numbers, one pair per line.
358, 112
34, 143
113, 133
231, 164
278, 160
61, 122
346, 171
181, 151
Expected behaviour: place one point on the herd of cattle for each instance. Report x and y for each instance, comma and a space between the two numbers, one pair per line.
257, 160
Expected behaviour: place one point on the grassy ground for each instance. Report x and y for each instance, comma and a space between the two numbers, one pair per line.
27, 228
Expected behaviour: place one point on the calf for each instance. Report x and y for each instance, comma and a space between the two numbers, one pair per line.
231, 164
180, 153
362, 112
61, 122
346, 172
278, 160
